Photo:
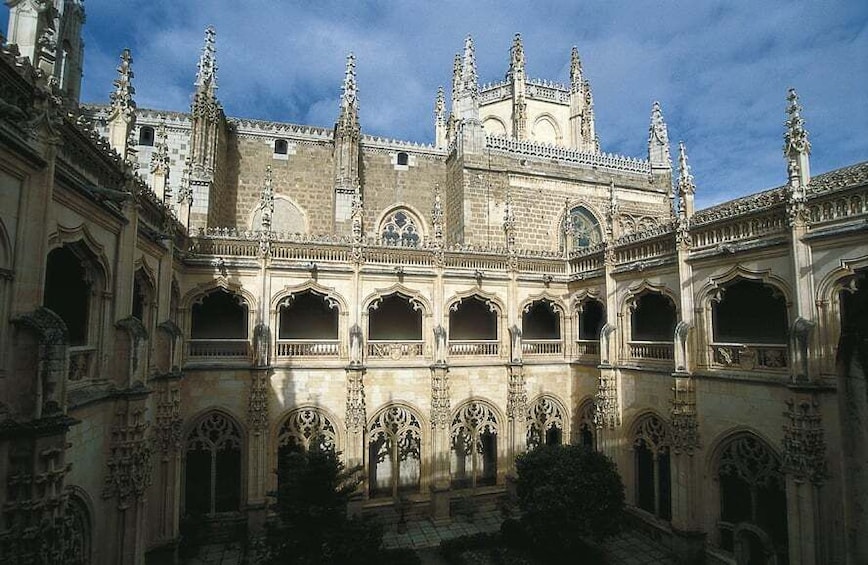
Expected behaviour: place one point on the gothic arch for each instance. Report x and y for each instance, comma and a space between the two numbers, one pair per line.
584, 429
334, 299
86, 246
397, 432
416, 218
475, 451
545, 412
141, 264
336, 424
715, 284
564, 220
282, 204
828, 300
200, 291
80, 535
723, 439
548, 119
628, 302
557, 303
193, 421
221, 486
416, 298
579, 297
496, 123
638, 420
494, 303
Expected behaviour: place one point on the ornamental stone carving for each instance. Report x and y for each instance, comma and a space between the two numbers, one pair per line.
355, 400
129, 461
257, 404
804, 445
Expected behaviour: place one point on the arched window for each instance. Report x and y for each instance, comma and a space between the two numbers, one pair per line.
143, 297
474, 445
212, 469
400, 229
592, 318
750, 312
308, 315
219, 325
541, 320
394, 452
651, 467
653, 318
587, 431
472, 318
753, 501
395, 317
545, 422
146, 136
302, 430
853, 342
78, 539
403, 159
582, 228
281, 147
68, 292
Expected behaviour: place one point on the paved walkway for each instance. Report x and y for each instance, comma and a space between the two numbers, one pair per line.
627, 548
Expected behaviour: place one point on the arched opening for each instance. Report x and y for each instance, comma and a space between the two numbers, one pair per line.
592, 318
79, 534
219, 326
545, 423
753, 502
853, 343
750, 312
212, 466
304, 429
281, 147
749, 326
68, 292
403, 159
400, 229
474, 445
652, 326
545, 131
652, 472
307, 325
587, 431
394, 453
473, 327
395, 327
582, 229
146, 136
143, 298
541, 328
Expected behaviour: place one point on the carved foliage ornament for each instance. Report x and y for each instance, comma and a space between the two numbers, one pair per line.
471, 421
751, 460
804, 444
308, 428
543, 415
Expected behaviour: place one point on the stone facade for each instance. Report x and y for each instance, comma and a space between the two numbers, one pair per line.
428, 311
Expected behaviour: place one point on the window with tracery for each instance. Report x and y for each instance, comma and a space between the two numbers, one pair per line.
753, 502
545, 423
582, 228
77, 539
587, 431
68, 292
474, 445
400, 229
394, 452
213, 466
304, 429
652, 468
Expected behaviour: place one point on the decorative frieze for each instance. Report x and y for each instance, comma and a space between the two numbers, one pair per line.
684, 424
441, 406
355, 400
606, 411
516, 398
257, 402
129, 460
168, 422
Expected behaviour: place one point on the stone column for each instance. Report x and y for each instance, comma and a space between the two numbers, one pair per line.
516, 414
686, 469
257, 448
441, 411
165, 493
804, 466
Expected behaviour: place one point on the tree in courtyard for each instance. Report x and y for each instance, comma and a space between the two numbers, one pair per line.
568, 494
312, 526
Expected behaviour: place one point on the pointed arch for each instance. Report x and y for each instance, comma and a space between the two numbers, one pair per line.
288, 216
394, 454
329, 294
547, 421
492, 300
214, 446
583, 426
402, 225
417, 299
87, 247
474, 430
543, 122
580, 225
628, 301
200, 291
715, 284
493, 125
650, 440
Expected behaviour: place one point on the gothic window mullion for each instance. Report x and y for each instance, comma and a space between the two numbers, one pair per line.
213, 490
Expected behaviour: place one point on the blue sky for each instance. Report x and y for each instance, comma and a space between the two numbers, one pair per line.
720, 69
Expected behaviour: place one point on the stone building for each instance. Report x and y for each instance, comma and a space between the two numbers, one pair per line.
185, 297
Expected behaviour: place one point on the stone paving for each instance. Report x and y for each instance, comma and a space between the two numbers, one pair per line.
627, 548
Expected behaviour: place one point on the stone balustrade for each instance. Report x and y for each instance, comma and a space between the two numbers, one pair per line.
218, 348
586, 348
650, 350
307, 348
531, 347
473, 347
568, 155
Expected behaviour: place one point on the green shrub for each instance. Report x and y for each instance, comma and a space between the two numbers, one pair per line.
568, 494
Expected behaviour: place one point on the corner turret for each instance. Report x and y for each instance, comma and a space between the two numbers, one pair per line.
658, 140
347, 136
583, 135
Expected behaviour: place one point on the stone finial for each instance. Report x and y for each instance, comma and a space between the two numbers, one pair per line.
206, 75
797, 148
266, 201
685, 178
440, 106
437, 215
612, 211
468, 67
516, 59
185, 192
122, 102
160, 156
658, 139
577, 81
349, 95
456, 76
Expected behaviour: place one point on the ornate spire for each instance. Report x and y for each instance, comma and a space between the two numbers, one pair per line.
160, 165
185, 192
469, 77
437, 216
516, 59
658, 139
266, 201
796, 136
685, 178
612, 211
349, 95
440, 106
122, 103
206, 76
577, 81
456, 76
